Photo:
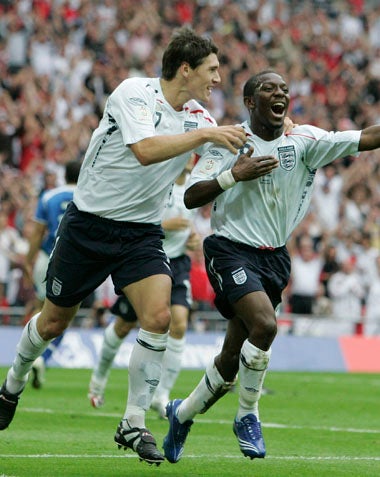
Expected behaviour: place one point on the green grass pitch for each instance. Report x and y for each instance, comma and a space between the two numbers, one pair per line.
314, 424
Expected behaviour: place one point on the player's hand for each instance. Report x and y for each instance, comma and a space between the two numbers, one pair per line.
175, 223
194, 241
247, 167
288, 125
231, 137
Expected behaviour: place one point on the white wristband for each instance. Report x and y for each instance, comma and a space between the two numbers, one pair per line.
226, 180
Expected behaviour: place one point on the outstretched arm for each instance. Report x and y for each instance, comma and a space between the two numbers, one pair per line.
246, 168
370, 138
161, 148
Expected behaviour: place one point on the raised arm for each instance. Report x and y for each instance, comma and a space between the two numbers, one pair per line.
246, 168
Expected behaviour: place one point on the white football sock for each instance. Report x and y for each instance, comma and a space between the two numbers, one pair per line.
30, 347
210, 388
252, 369
171, 366
109, 349
144, 375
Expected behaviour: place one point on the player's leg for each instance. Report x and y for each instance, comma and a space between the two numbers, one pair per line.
210, 389
171, 363
181, 301
150, 298
39, 276
125, 320
35, 338
39, 365
70, 277
258, 316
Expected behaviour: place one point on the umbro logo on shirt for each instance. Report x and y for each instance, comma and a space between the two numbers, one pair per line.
190, 125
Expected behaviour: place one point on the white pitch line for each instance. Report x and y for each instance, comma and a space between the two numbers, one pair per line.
205, 456
220, 421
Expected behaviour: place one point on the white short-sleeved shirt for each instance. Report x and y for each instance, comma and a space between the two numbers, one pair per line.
265, 211
175, 240
112, 182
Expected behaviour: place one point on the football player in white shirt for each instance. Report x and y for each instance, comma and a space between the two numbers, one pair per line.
180, 238
112, 227
246, 258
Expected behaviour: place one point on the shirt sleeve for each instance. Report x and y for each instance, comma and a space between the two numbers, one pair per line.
324, 147
132, 105
214, 161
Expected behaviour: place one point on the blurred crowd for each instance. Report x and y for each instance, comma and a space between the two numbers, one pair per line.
59, 60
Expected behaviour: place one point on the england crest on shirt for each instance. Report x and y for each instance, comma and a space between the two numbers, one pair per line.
239, 276
287, 157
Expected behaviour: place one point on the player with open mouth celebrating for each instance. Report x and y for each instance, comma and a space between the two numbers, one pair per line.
246, 258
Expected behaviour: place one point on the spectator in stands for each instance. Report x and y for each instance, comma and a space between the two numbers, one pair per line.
347, 292
9, 238
330, 266
305, 284
326, 197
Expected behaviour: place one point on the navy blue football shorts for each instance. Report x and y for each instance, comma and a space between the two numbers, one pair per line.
181, 290
124, 309
89, 248
236, 269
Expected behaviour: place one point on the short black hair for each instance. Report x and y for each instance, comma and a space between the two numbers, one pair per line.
185, 45
253, 82
72, 169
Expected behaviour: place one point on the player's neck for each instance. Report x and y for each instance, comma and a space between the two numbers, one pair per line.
265, 133
173, 94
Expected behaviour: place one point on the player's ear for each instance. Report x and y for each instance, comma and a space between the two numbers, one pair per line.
185, 69
249, 102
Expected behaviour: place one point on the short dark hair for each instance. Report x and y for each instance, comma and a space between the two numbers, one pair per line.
72, 169
185, 45
253, 82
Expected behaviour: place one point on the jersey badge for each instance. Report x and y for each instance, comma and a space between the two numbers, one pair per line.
209, 164
239, 276
141, 108
56, 287
287, 157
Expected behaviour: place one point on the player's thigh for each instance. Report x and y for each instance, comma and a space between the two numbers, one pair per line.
150, 298
255, 310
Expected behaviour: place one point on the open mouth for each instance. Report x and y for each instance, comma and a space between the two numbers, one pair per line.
278, 109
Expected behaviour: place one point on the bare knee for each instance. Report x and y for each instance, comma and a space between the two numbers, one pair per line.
157, 322
264, 331
54, 320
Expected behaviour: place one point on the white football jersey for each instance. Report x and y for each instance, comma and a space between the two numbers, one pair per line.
175, 240
112, 182
265, 211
